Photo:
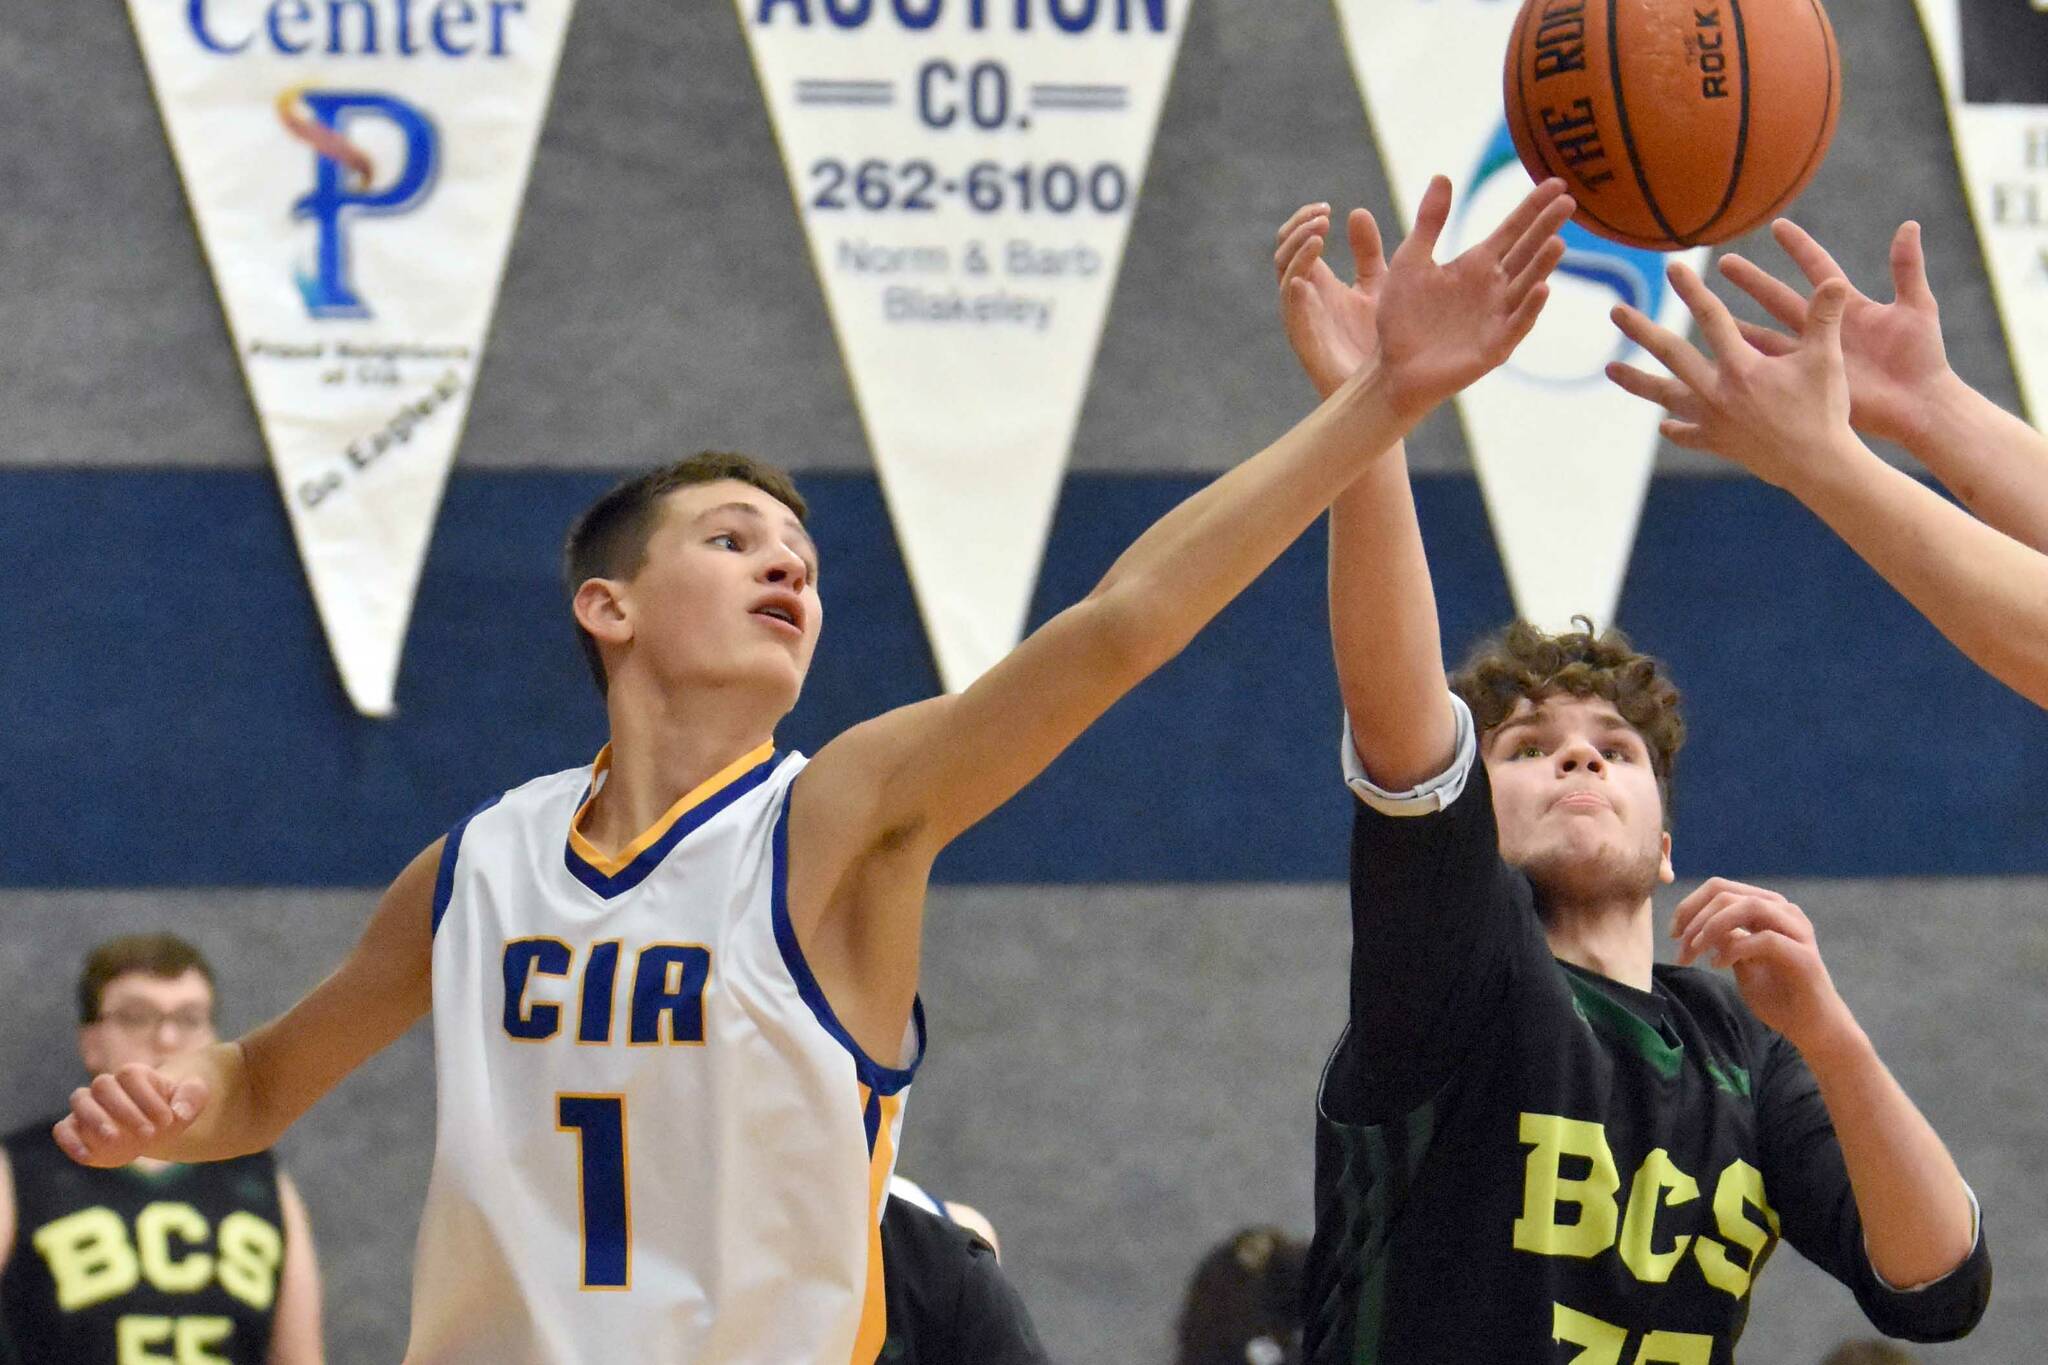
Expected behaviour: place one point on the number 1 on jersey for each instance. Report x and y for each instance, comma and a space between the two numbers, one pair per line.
599, 1122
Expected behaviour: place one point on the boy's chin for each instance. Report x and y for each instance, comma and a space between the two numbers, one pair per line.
1573, 872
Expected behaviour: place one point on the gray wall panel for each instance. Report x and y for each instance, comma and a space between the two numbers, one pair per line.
659, 297
1122, 1076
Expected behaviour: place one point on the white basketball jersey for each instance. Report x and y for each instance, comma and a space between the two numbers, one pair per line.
655, 1144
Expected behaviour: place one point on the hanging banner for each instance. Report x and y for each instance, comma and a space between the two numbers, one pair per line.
1563, 456
356, 168
1993, 60
966, 171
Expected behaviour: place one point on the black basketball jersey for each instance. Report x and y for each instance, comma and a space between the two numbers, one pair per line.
1519, 1161
948, 1300
122, 1265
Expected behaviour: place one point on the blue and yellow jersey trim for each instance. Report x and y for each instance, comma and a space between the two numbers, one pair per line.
878, 1082
613, 874
451, 849
874, 1315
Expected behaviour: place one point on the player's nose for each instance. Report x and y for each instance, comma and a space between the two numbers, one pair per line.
1580, 755
785, 568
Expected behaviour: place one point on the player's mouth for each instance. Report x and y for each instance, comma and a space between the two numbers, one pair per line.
785, 609
1580, 802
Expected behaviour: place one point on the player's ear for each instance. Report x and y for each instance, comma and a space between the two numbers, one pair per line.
601, 609
1664, 872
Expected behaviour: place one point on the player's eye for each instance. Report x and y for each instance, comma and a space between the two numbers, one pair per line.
728, 540
1615, 752
1530, 750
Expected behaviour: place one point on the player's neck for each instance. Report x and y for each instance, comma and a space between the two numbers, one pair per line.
663, 751
1616, 940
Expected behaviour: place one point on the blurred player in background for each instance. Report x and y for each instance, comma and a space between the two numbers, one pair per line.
1534, 1142
674, 995
1787, 407
1243, 1304
151, 1261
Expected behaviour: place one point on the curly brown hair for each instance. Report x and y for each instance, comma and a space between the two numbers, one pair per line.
1523, 662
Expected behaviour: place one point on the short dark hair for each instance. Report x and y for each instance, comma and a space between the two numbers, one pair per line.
1523, 662
160, 955
610, 539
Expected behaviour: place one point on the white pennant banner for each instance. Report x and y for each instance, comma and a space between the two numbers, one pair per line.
1563, 456
966, 171
356, 168
1993, 60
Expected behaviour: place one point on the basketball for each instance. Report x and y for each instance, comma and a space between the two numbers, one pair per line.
1676, 122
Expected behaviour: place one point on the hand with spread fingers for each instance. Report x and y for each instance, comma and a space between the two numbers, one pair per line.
1774, 414
1440, 327
1769, 943
1332, 326
126, 1114
1892, 353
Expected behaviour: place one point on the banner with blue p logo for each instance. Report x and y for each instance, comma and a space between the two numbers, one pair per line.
344, 184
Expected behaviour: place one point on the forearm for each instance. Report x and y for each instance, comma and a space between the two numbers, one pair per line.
1915, 1209
1991, 459
1383, 627
1192, 562
1983, 590
227, 1126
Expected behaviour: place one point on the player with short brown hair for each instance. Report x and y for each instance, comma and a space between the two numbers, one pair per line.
699, 956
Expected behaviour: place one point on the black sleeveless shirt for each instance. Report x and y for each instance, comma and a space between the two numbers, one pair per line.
180, 1263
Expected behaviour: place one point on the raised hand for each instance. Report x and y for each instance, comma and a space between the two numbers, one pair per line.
1774, 414
1439, 327
1332, 326
122, 1115
1769, 943
1892, 352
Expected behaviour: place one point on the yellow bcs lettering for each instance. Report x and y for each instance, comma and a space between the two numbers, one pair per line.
1578, 1215
1545, 1186
93, 1259
1742, 1186
89, 1257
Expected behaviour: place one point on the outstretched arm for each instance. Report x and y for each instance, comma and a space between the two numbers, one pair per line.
944, 764
1901, 388
1918, 1223
234, 1098
1383, 621
1785, 417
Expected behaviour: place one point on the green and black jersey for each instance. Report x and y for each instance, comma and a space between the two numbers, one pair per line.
1519, 1161
124, 1266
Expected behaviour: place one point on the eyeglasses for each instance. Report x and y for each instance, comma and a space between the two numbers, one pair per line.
141, 1020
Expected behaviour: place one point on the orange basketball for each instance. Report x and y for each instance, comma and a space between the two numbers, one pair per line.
1676, 122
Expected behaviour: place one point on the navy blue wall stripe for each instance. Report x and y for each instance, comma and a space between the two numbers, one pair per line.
168, 714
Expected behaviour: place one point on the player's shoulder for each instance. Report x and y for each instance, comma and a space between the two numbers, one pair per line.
1714, 1001
567, 784
545, 796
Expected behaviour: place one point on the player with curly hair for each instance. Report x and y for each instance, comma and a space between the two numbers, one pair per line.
1533, 1141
